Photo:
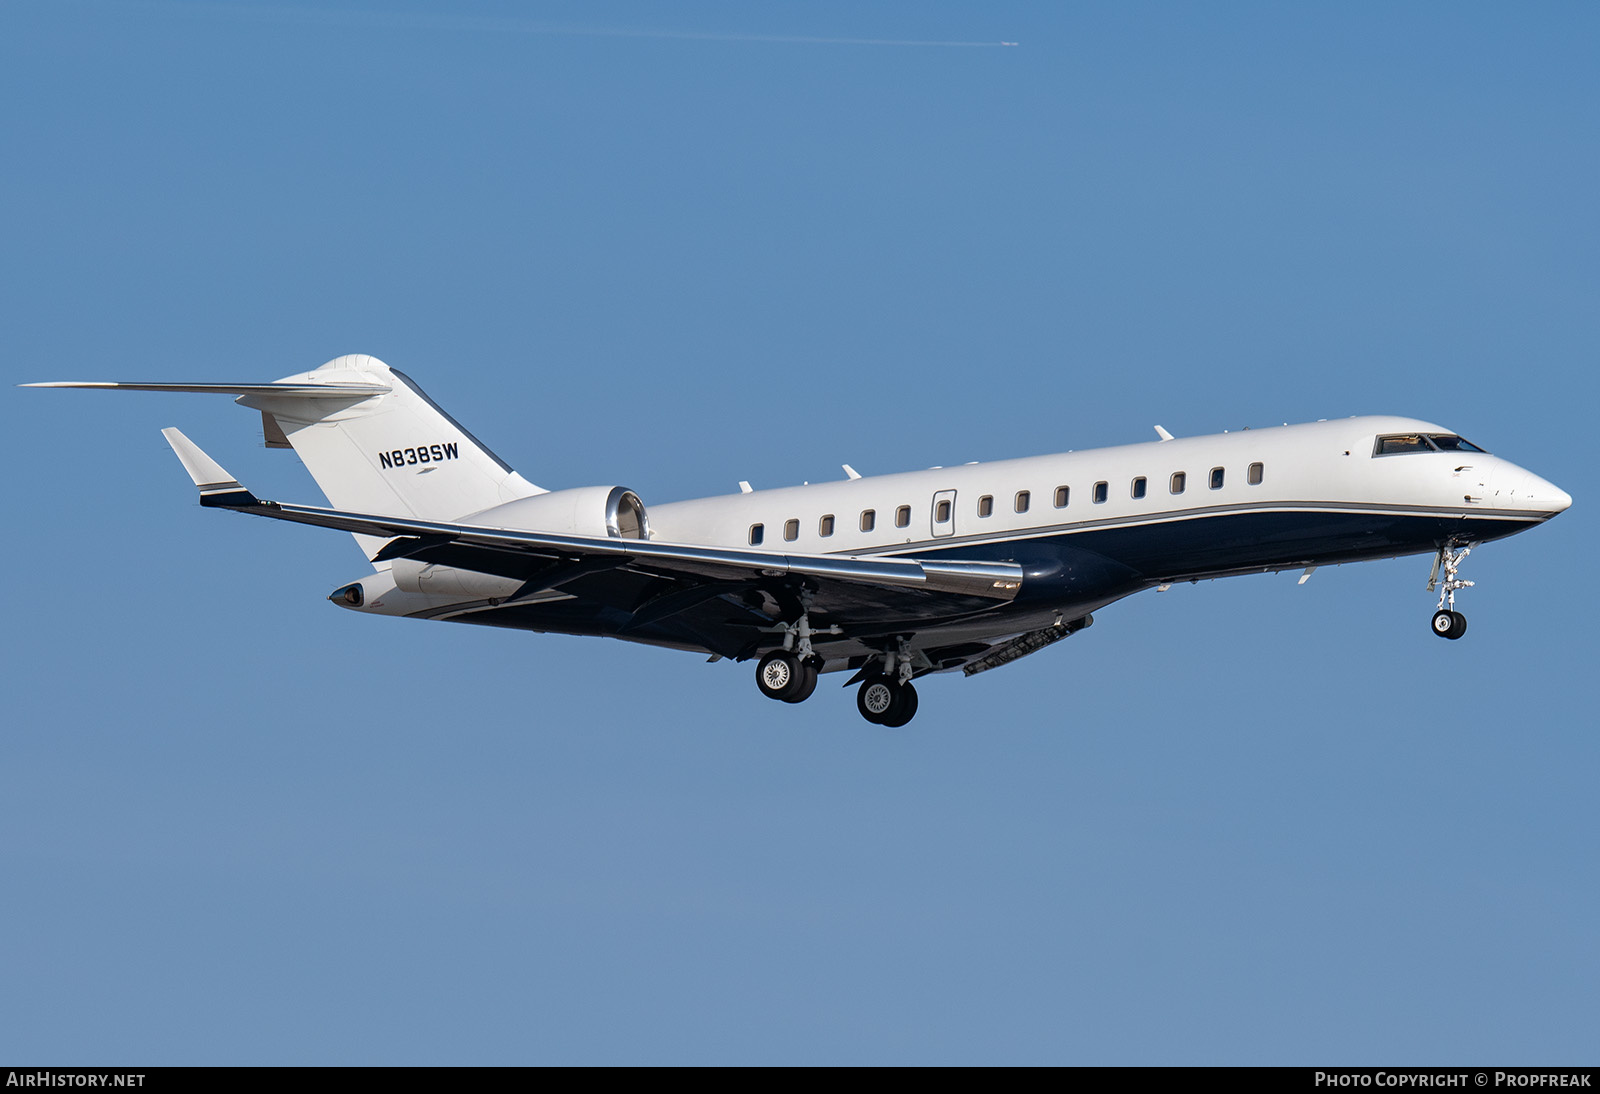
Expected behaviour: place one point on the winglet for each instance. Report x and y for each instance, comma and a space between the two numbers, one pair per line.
217, 487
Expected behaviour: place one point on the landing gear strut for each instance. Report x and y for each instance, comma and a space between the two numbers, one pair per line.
1447, 622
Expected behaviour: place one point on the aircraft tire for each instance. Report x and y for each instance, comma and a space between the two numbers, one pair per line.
905, 707
807, 684
1448, 624
779, 675
1460, 627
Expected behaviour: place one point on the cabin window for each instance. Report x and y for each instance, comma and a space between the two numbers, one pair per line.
1179, 482
902, 517
1139, 485
1023, 498
1102, 491
869, 519
1063, 495
941, 512
985, 505
825, 526
1216, 478
791, 529
1254, 474
758, 532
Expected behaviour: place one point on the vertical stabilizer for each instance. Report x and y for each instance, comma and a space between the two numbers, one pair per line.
369, 436
393, 453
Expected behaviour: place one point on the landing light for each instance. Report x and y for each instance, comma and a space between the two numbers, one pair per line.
350, 595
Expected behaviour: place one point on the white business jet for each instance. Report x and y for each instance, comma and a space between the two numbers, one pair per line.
888, 577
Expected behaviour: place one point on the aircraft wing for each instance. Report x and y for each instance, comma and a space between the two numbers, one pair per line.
660, 585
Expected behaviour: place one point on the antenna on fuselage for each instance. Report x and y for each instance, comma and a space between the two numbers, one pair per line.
1163, 434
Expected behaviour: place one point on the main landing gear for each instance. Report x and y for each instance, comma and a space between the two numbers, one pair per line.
789, 674
887, 698
886, 702
1447, 622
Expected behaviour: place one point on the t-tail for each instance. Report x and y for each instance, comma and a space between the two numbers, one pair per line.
372, 440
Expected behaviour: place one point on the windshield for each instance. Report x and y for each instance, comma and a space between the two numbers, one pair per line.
1397, 444
1449, 442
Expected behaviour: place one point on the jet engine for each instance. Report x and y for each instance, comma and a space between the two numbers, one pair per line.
411, 576
596, 511
599, 511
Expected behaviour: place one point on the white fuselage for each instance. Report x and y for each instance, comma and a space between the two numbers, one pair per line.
1087, 528
1313, 466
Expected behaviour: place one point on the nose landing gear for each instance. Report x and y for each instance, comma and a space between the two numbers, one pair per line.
1447, 622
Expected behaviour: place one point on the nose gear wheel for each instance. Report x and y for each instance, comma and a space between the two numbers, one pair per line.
1448, 624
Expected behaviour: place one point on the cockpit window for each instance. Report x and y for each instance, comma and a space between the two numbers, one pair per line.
1397, 444
1400, 443
1449, 442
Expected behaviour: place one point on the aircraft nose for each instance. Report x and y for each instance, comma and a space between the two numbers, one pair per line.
1545, 496
1518, 488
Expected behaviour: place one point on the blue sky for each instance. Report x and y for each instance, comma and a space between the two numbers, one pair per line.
1240, 822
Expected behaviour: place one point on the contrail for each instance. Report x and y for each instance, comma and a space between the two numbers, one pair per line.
426, 21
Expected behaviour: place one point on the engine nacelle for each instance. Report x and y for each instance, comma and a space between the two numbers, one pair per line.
411, 576
599, 511
410, 587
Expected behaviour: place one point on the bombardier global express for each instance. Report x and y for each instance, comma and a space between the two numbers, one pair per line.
888, 577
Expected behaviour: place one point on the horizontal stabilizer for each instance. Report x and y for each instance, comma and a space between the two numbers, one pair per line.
217, 487
313, 391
